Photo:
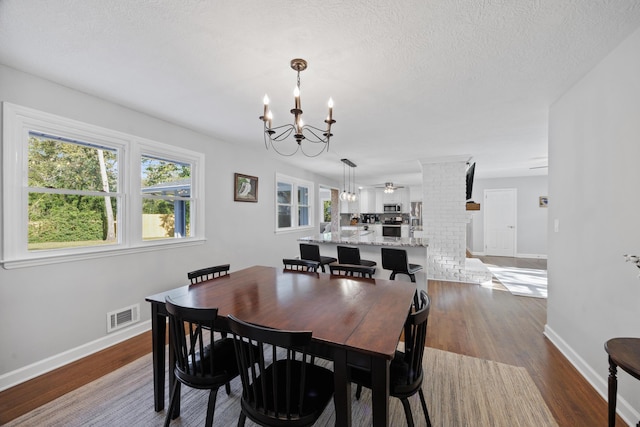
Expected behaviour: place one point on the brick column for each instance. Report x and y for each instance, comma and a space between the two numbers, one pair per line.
444, 218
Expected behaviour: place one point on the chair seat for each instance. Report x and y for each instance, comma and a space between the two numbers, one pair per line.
413, 268
225, 369
398, 374
317, 394
368, 263
324, 260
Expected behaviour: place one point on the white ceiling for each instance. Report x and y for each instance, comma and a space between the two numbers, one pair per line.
410, 79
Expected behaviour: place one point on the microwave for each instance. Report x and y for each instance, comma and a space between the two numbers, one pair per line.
392, 208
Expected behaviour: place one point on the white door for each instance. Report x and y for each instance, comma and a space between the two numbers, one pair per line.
500, 222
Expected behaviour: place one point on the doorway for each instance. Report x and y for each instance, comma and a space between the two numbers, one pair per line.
500, 228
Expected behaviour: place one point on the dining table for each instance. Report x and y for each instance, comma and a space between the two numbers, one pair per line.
355, 322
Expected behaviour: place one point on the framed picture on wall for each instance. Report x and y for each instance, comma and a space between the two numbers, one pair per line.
543, 201
245, 188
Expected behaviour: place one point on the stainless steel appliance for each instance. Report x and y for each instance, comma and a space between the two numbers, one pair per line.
392, 208
391, 231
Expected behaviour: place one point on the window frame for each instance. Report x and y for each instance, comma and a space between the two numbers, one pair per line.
18, 121
295, 203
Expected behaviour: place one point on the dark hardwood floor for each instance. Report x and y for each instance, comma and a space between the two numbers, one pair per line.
490, 323
480, 321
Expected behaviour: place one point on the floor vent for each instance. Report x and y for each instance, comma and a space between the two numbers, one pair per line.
123, 317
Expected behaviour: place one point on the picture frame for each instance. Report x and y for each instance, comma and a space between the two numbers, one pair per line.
245, 188
543, 201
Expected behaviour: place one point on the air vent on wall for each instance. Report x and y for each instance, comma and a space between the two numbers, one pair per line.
123, 317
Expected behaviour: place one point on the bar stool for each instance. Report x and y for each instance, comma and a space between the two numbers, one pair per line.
396, 261
625, 353
349, 255
312, 253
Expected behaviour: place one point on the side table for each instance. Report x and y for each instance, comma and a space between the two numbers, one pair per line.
625, 353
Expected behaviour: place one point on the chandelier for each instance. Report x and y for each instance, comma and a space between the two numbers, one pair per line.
348, 196
389, 188
278, 136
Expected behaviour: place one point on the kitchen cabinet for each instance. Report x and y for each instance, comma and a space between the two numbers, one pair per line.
404, 231
349, 207
368, 200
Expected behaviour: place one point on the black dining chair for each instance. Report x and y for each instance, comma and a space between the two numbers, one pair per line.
208, 273
405, 370
294, 264
312, 252
280, 387
352, 270
201, 361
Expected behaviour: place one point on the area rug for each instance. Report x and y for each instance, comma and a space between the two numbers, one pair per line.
459, 391
527, 282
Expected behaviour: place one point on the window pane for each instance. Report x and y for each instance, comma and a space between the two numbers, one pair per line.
284, 216
303, 215
303, 196
65, 221
73, 165
285, 191
165, 177
164, 219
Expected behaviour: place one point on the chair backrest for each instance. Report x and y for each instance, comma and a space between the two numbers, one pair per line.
300, 265
415, 335
348, 255
309, 252
352, 270
193, 333
208, 273
394, 259
283, 356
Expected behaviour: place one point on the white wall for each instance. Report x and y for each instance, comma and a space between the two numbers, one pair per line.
531, 219
594, 149
48, 310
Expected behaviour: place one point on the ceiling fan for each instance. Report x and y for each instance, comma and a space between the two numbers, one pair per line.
389, 187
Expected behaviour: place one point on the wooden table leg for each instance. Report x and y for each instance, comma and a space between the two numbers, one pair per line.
613, 391
158, 339
342, 389
380, 391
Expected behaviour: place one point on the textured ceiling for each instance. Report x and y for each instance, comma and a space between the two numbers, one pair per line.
410, 79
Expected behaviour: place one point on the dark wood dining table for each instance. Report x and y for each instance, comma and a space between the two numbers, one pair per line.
355, 322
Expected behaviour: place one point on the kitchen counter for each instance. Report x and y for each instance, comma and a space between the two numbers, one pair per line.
365, 237
370, 244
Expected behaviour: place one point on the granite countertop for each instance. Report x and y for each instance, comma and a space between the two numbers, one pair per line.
359, 237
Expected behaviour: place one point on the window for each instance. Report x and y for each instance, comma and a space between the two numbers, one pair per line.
72, 193
72, 190
293, 203
166, 198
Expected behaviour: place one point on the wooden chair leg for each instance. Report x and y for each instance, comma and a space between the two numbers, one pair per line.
172, 403
407, 411
211, 407
358, 392
424, 408
227, 388
242, 419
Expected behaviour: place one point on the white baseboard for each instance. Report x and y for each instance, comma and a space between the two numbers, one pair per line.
536, 256
41, 367
597, 381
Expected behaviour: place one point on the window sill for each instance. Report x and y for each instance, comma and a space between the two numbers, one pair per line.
293, 230
52, 258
